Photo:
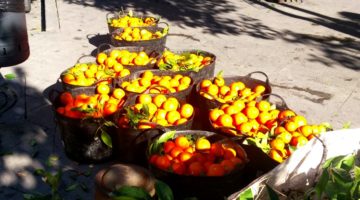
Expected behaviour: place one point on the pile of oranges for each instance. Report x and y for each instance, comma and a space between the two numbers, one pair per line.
98, 105
216, 89
132, 21
284, 129
157, 84
125, 57
183, 62
159, 109
137, 34
190, 156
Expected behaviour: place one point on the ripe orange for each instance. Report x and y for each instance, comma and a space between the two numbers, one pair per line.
185, 80
182, 142
144, 99
170, 105
224, 90
118, 93
228, 165
245, 127
285, 137
67, 78
291, 126
66, 98
239, 118
202, 144
160, 114
212, 90
275, 155
236, 86
229, 153
158, 100
162, 162
168, 146
215, 170
239, 103
299, 120
100, 58
178, 168
184, 156
216, 150
277, 144
263, 105
251, 112
219, 81
285, 114
263, 117
306, 130
259, 89
231, 110
205, 83
225, 120
176, 151
109, 108
173, 116
103, 89
196, 169
215, 113
186, 111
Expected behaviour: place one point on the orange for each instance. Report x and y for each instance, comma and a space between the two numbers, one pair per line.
174, 83
213, 90
196, 169
215, 170
169, 105
168, 146
118, 67
182, 142
185, 80
291, 126
214, 114
158, 100
285, 114
278, 130
118, 93
219, 81
259, 89
180, 121
178, 168
239, 118
67, 78
236, 86
176, 151
66, 98
298, 141
109, 62
186, 110
103, 89
144, 99
202, 144
162, 162
231, 109
306, 130
205, 83
216, 150
224, 90
277, 144
239, 103
147, 74
245, 92
124, 72
152, 108
263, 117
60, 110
299, 120
184, 156
285, 137
115, 53
263, 105
225, 120
229, 153
172, 116
160, 114
109, 109
100, 58
251, 112
228, 165
245, 127
275, 155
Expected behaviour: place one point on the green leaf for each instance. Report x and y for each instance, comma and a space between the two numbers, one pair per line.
357, 173
36, 196
123, 198
332, 161
272, 193
156, 146
105, 137
321, 184
348, 162
71, 187
109, 123
163, 191
246, 195
131, 191
40, 172
10, 76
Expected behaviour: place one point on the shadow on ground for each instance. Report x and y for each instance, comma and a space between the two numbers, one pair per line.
29, 141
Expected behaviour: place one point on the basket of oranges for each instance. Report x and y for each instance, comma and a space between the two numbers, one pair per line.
151, 38
195, 63
85, 123
123, 20
214, 92
141, 115
134, 58
266, 123
158, 82
85, 77
191, 158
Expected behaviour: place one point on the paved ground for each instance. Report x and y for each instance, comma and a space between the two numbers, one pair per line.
309, 50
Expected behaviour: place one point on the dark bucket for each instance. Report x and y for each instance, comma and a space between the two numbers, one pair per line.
130, 144
136, 49
157, 45
203, 187
81, 139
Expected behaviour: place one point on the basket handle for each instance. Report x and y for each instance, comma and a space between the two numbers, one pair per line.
103, 45
283, 103
260, 72
147, 134
113, 15
83, 56
147, 91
